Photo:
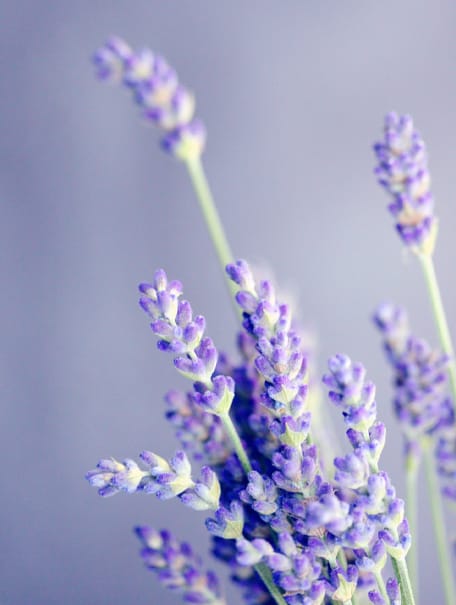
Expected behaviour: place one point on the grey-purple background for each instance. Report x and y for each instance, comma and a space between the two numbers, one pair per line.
293, 93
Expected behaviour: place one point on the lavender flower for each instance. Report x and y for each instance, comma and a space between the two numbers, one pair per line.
228, 523
343, 583
178, 568
198, 431
420, 380
375, 510
402, 170
182, 335
295, 570
165, 479
281, 361
392, 592
158, 92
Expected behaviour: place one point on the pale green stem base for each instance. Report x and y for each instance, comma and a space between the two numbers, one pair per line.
212, 219
222, 248
268, 581
411, 476
435, 497
381, 585
235, 440
261, 569
402, 576
440, 318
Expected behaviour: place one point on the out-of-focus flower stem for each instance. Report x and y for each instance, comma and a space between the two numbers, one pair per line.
439, 525
266, 576
381, 585
403, 578
225, 257
211, 217
235, 440
411, 476
438, 310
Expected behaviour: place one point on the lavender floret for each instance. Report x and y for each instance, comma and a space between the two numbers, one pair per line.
376, 511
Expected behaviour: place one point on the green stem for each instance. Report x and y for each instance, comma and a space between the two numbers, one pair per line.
381, 585
439, 525
235, 440
438, 310
223, 251
402, 576
211, 217
411, 475
266, 577
261, 569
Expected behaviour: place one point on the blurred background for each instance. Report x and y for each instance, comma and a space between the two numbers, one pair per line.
293, 95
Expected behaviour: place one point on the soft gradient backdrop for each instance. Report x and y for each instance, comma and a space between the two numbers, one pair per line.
293, 93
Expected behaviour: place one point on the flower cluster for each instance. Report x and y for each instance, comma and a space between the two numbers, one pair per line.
402, 170
277, 515
158, 92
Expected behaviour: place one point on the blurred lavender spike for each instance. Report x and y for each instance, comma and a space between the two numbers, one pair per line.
155, 87
420, 380
403, 171
178, 568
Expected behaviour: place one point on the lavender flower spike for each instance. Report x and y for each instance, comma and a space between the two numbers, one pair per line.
376, 511
402, 170
165, 479
195, 356
158, 92
420, 380
181, 334
281, 361
178, 568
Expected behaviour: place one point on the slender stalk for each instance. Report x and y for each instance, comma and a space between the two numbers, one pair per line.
402, 576
236, 441
439, 525
438, 310
261, 569
381, 585
266, 576
411, 475
211, 217
223, 251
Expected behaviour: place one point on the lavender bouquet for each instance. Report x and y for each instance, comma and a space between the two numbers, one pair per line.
297, 521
